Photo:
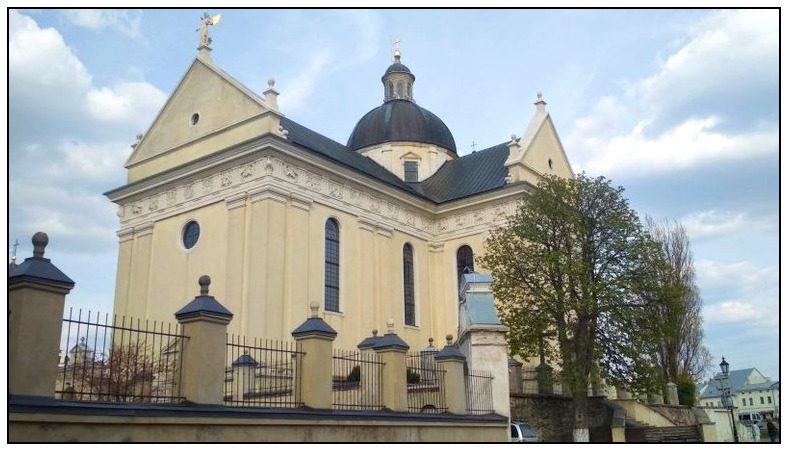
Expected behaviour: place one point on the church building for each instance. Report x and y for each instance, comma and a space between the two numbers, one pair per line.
223, 183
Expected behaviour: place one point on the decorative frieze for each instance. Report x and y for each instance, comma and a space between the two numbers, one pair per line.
287, 183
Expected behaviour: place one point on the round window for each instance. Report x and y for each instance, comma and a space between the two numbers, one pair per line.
191, 233
195, 118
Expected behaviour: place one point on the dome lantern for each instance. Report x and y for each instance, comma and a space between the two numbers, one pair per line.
397, 80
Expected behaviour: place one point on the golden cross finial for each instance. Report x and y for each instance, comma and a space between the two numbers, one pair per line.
396, 48
16, 245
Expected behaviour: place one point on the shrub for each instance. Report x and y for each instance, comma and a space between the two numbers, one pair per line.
354, 375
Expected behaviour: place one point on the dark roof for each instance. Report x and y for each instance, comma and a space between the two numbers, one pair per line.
390, 341
312, 327
41, 270
203, 306
398, 67
245, 360
400, 120
450, 352
469, 175
466, 176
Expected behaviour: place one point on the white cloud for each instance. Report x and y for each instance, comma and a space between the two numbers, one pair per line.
134, 103
733, 311
691, 143
741, 276
39, 61
716, 223
126, 21
300, 88
654, 126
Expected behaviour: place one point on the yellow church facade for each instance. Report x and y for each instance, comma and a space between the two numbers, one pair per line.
279, 216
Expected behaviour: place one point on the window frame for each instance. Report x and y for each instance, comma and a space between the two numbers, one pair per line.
332, 268
185, 231
409, 268
414, 170
460, 268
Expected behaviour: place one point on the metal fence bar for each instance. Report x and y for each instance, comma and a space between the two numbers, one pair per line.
425, 383
356, 379
113, 362
262, 372
478, 389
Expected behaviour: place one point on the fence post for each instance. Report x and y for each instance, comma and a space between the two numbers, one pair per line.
453, 362
673, 394
36, 296
544, 378
316, 339
243, 375
393, 353
204, 321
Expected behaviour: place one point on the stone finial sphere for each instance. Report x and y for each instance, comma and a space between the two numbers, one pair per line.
40, 241
205, 282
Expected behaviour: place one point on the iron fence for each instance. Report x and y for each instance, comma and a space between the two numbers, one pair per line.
356, 379
478, 391
262, 372
425, 383
124, 360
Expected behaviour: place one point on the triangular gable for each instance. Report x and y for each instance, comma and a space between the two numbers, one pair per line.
206, 101
542, 148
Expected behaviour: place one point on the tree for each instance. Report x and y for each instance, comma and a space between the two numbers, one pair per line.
565, 270
676, 305
127, 373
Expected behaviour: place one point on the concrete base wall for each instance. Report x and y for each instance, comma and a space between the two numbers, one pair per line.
79, 422
552, 416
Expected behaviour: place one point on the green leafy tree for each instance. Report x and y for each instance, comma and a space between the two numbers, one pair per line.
566, 269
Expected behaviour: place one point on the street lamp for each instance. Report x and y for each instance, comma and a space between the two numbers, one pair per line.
723, 384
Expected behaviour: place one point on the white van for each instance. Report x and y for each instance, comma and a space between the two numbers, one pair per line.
751, 417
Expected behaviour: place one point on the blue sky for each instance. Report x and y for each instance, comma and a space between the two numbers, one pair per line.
679, 107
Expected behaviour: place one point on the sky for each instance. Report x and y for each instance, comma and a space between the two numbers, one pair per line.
680, 107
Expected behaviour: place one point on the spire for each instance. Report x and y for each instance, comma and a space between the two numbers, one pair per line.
13, 256
397, 53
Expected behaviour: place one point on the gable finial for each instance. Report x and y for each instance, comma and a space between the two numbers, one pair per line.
13, 256
205, 39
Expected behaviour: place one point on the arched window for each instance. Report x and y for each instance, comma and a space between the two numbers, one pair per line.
332, 266
408, 285
410, 91
400, 92
391, 91
464, 262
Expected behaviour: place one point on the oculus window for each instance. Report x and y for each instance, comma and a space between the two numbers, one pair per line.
191, 233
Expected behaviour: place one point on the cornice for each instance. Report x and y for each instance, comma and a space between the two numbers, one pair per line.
271, 176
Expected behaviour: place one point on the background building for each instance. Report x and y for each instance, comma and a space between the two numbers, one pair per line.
751, 392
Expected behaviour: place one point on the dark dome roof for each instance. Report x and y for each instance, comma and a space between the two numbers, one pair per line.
397, 67
397, 121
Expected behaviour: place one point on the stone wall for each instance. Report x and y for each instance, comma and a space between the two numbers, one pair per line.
552, 416
679, 415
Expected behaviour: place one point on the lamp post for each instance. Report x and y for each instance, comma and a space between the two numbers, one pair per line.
723, 384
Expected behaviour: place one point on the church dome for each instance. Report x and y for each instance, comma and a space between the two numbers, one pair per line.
398, 121
397, 67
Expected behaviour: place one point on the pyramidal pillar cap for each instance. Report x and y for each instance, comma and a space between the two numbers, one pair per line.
39, 270
450, 352
314, 326
204, 307
390, 341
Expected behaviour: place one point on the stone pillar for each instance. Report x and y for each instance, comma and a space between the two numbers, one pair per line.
655, 398
36, 296
515, 376
316, 339
393, 353
204, 321
451, 360
673, 394
622, 394
544, 379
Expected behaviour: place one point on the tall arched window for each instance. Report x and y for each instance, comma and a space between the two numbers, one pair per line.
400, 90
464, 261
332, 266
408, 285
391, 91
